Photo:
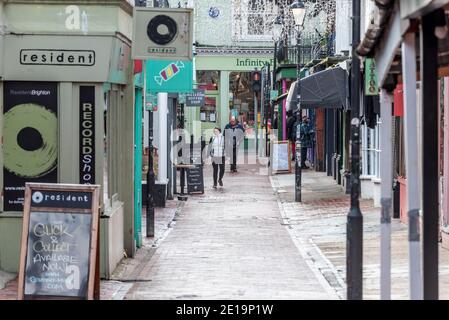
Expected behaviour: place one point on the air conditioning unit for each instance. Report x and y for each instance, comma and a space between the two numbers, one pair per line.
162, 34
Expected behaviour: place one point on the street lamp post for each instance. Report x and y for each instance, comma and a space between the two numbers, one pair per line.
299, 13
354, 232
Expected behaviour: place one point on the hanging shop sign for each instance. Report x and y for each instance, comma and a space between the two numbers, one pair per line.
182, 98
274, 94
161, 33
59, 247
196, 99
87, 135
30, 138
169, 76
371, 82
151, 102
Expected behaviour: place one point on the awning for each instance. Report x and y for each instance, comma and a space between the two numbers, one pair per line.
324, 89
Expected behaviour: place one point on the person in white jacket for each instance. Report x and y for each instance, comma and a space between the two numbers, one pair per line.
216, 151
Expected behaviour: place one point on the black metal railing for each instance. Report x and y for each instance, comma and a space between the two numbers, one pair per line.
311, 49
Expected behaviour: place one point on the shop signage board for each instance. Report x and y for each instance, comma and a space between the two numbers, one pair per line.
30, 138
150, 102
281, 157
182, 98
195, 180
87, 135
273, 94
371, 82
196, 99
73, 59
161, 33
232, 63
59, 249
169, 76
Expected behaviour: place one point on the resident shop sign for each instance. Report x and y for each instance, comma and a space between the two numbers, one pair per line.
59, 251
60, 58
51, 57
371, 83
195, 99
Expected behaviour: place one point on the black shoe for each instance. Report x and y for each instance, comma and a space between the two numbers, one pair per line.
215, 186
220, 183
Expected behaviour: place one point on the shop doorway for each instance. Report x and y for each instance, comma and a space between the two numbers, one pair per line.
241, 104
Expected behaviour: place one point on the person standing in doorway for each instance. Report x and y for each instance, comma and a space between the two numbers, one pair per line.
291, 131
216, 151
234, 134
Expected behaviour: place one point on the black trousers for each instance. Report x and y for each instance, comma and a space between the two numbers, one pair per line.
303, 157
218, 163
234, 158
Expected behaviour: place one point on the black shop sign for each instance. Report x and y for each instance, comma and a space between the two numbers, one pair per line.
30, 138
87, 135
195, 180
59, 251
196, 99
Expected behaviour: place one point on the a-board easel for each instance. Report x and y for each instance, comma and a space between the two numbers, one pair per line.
59, 250
280, 157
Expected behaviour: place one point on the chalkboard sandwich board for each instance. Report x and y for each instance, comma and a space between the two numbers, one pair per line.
281, 157
195, 180
58, 258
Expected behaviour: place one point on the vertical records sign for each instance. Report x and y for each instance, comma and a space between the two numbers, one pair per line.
162, 34
87, 135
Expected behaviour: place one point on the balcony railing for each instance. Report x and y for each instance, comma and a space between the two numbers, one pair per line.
311, 49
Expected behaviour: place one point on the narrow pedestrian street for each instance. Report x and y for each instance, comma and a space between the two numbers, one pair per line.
230, 243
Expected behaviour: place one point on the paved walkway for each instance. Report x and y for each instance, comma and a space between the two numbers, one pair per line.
230, 243
318, 224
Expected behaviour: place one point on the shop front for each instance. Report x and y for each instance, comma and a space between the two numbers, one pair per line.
68, 114
227, 82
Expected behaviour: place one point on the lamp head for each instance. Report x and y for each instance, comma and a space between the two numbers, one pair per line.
277, 28
441, 24
299, 12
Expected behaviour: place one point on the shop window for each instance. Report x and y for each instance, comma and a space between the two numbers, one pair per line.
208, 80
371, 151
208, 113
241, 102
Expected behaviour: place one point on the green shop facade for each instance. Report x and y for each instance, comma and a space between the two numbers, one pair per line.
67, 97
219, 99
